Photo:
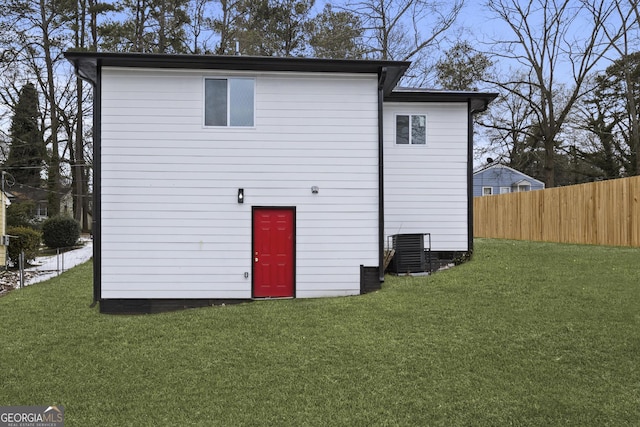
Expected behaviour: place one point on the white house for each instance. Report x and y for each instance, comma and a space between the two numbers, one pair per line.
235, 178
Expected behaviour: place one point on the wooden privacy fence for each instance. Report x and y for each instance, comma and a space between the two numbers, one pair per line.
598, 213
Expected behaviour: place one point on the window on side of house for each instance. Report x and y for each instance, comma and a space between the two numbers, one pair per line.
41, 210
504, 190
229, 102
487, 191
411, 129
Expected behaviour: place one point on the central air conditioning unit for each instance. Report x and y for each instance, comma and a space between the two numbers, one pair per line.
411, 254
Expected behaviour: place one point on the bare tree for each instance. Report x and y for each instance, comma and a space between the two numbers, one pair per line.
628, 14
40, 37
549, 37
41, 31
510, 127
74, 124
404, 29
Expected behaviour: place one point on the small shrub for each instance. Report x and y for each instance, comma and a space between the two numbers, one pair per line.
20, 214
60, 232
23, 239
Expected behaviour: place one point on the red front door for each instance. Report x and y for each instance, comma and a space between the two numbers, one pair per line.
273, 247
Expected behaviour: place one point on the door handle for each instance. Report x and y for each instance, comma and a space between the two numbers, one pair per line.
256, 259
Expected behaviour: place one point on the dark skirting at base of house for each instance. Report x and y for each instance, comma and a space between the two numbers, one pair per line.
147, 306
369, 279
369, 282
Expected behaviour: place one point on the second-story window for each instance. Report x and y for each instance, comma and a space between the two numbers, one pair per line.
411, 129
229, 102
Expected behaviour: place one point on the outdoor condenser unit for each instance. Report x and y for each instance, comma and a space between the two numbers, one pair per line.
410, 253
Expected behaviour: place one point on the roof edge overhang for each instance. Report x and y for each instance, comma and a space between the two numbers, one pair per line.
501, 166
86, 64
478, 101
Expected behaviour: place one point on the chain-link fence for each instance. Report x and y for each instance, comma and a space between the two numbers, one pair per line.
52, 263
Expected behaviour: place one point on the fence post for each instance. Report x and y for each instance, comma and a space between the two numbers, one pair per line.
21, 268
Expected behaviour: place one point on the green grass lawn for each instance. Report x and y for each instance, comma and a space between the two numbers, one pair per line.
525, 334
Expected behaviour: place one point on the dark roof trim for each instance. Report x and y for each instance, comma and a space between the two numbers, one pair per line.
478, 100
86, 64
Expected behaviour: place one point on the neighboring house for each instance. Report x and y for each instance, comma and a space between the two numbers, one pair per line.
501, 179
237, 178
38, 196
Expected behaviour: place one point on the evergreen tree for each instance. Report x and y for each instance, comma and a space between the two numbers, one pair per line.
149, 26
462, 67
272, 28
336, 35
226, 25
26, 153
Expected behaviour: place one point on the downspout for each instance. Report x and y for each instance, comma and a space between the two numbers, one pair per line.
95, 81
381, 79
472, 109
96, 220
470, 178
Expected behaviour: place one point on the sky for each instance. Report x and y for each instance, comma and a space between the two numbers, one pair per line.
474, 24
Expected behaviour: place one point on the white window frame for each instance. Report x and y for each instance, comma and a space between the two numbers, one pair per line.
490, 191
505, 190
411, 143
228, 107
41, 210
524, 187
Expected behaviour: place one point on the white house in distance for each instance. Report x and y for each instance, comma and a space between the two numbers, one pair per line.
236, 178
501, 179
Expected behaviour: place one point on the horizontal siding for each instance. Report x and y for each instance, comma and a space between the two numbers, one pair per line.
272, 172
220, 155
324, 293
304, 183
212, 245
181, 288
336, 207
294, 131
171, 224
426, 186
